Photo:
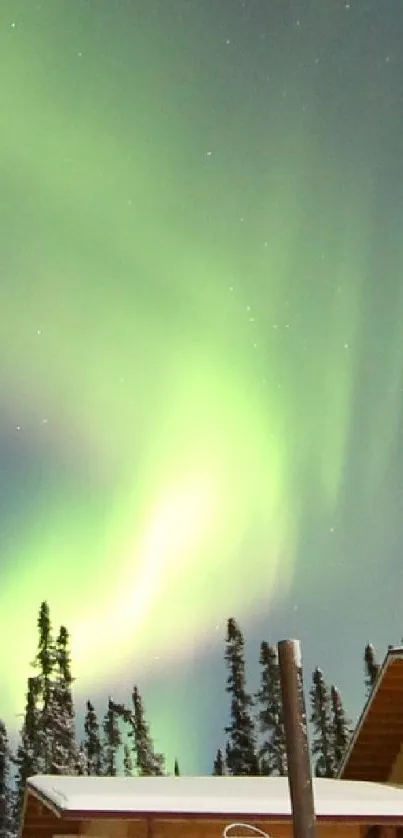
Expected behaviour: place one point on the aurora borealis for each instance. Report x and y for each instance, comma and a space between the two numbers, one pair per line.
201, 339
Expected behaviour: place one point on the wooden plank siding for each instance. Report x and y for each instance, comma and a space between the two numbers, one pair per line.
396, 774
377, 743
195, 828
39, 821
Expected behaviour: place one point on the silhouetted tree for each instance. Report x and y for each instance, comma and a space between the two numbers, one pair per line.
92, 742
322, 726
45, 656
27, 756
341, 728
44, 663
61, 709
219, 765
148, 762
6, 826
112, 740
272, 753
241, 758
81, 761
127, 761
371, 667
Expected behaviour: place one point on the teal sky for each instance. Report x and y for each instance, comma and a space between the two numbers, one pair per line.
201, 341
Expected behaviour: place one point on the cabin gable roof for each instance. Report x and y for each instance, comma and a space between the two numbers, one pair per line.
378, 735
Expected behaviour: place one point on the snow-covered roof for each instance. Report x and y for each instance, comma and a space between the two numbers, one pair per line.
233, 796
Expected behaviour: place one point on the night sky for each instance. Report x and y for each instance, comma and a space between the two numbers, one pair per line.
201, 337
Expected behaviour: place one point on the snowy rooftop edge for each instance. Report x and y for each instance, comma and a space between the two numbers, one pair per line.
254, 796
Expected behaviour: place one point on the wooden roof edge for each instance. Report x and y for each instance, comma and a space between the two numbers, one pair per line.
393, 653
42, 798
82, 816
22, 815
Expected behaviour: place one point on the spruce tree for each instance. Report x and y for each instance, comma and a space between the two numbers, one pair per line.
92, 742
58, 753
241, 756
61, 707
341, 727
45, 654
5, 790
176, 768
148, 762
127, 761
219, 766
272, 753
27, 757
112, 740
81, 768
44, 663
371, 668
47, 739
322, 726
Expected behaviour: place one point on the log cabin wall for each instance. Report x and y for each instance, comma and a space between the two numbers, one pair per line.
396, 774
114, 828
214, 829
375, 748
382, 832
205, 828
41, 822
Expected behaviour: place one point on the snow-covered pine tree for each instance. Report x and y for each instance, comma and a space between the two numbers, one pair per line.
47, 741
148, 762
81, 761
241, 758
272, 753
27, 757
322, 726
92, 742
219, 765
6, 825
371, 668
341, 727
44, 663
44, 660
61, 710
127, 761
112, 740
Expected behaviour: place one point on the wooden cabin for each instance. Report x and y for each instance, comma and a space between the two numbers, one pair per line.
203, 807
376, 749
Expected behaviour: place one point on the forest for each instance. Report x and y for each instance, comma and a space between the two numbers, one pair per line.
120, 742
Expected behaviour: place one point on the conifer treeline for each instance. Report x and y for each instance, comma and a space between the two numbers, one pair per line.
255, 742
118, 743
121, 742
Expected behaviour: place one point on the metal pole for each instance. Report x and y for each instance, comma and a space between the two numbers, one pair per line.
299, 764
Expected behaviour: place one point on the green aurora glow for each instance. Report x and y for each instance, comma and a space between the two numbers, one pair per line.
186, 261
